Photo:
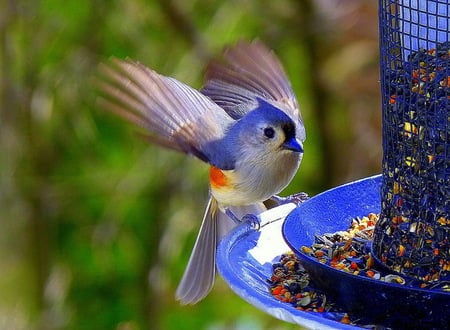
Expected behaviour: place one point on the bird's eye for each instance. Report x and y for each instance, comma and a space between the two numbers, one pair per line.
269, 132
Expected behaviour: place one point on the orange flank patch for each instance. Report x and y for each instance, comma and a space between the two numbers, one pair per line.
217, 177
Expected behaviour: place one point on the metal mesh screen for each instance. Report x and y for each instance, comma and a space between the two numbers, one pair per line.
412, 235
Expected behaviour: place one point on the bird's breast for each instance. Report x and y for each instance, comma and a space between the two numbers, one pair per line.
252, 182
223, 186
217, 178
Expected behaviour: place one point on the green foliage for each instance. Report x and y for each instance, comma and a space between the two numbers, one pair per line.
97, 226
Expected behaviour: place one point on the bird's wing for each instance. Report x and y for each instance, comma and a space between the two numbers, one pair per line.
249, 70
174, 115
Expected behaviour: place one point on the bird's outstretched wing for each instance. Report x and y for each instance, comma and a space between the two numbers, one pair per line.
174, 115
249, 70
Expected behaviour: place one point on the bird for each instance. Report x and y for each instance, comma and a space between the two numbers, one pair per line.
244, 122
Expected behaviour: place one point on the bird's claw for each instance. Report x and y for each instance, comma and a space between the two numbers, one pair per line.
297, 198
252, 220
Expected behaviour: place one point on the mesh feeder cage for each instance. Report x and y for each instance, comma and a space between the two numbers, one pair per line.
412, 235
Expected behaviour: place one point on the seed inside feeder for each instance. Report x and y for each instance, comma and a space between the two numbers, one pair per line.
416, 166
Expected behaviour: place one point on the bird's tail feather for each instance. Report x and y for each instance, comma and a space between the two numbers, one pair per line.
198, 278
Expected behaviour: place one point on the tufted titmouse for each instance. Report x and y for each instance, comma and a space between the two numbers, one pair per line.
245, 123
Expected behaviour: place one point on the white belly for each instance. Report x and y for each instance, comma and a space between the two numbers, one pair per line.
256, 184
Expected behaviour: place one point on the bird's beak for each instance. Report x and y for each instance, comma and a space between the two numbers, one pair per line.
293, 145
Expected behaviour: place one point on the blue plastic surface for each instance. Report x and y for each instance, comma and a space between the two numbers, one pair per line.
245, 258
374, 301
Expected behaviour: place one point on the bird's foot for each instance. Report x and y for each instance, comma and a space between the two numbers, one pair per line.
297, 198
251, 219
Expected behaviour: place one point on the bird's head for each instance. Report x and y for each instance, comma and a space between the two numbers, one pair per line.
267, 129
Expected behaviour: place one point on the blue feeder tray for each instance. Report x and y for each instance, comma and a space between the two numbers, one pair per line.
372, 301
245, 258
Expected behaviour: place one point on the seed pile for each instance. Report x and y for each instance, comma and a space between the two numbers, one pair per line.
290, 283
350, 251
413, 234
347, 251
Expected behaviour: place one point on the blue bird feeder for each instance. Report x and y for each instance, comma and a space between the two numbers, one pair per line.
411, 239
369, 301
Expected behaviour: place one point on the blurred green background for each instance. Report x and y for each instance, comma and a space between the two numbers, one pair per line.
97, 225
